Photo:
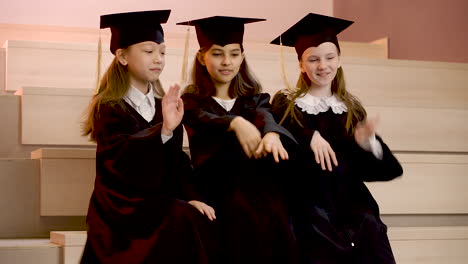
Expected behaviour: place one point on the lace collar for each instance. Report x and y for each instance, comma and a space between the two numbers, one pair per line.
315, 105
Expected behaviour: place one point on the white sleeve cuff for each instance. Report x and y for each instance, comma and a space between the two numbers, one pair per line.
374, 146
165, 138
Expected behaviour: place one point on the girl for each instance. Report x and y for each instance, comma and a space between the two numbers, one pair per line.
335, 218
135, 215
231, 131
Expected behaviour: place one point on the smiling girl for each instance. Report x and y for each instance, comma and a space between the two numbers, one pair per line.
136, 212
335, 217
236, 147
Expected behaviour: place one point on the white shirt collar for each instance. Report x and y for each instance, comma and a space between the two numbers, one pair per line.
135, 97
144, 104
314, 105
227, 104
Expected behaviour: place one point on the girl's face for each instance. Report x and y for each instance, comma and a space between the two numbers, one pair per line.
223, 63
320, 64
145, 62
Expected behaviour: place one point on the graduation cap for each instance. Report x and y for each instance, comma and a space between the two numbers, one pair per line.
135, 27
220, 30
311, 31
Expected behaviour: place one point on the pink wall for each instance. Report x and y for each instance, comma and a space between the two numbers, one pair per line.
431, 30
85, 13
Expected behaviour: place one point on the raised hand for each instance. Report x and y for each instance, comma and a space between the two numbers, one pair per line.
365, 130
172, 110
204, 209
324, 154
271, 143
248, 135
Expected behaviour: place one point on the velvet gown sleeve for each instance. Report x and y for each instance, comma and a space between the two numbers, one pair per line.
197, 117
265, 120
206, 121
364, 163
132, 154
370, 168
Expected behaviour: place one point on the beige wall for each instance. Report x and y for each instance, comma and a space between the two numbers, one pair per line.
430, 30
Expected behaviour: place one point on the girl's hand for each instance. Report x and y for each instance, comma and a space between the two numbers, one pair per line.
271, 143
204, 209
172, 110
248, 135
365, 130
323, 151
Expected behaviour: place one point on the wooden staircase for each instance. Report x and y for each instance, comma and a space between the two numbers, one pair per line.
47, 167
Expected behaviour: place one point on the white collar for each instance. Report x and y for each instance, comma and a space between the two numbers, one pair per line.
135, 97
314, 105
227, 104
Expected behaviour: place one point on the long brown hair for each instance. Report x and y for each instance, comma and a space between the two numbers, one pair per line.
244, 83
112, 88
356, 111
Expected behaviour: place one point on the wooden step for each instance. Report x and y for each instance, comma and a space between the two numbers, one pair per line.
54, 103
10, 135
20, 203
53, 116
66, 180
429, 245
411, 245
70, 173
25, 251
72, 243
2, 70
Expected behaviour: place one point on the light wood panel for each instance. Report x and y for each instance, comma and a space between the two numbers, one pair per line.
73, 65
429, 245
51, 116
411, 245
2, 70
422, 129
20, 203
431, 184
66, 181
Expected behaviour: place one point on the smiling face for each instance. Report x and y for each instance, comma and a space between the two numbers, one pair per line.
223, 63
320, 64
145, 61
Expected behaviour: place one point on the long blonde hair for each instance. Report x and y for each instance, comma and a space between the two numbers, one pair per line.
356, 111
112, 88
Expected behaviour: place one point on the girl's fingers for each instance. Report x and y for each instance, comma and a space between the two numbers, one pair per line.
275, 154
316, 154
322, 162
284, 154
260, 148
180, 105
268, 147
245, 147
171, 91
176, 88
327, 160
208, 214
212, 213
333, 156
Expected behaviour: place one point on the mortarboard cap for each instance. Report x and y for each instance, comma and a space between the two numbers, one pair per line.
135, 27
220, 30
311, 31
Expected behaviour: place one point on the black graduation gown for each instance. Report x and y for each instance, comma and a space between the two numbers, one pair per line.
335, 217
252, 222
135, 213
